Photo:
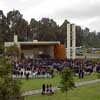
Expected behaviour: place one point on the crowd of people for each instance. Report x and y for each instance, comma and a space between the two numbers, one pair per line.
28, 68
45, 67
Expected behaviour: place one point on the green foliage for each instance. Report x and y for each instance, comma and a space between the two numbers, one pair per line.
1, 49
46, 28
67, 81
98, 75
55, 81
88, 92
18, 25
1, 46
13, 51
4, 28
9, 87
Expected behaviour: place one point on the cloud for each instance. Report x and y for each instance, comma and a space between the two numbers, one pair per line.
95, 24
23, 1
81, 12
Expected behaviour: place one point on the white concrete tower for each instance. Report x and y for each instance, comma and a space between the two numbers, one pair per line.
15, 38
73, 41
68, 41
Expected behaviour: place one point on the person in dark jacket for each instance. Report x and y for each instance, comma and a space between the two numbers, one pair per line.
43, 89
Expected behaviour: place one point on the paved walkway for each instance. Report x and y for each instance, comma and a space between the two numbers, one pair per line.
77, 84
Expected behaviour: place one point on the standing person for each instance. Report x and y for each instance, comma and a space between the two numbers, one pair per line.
79, 72
27, 76
21, 74
82, 73
43, 89
47, 89
50, 89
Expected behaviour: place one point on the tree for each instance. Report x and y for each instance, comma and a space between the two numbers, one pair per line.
13, 51
9, 87
1, 49
33, 26
78, 36
17, 24
47, 30
63, 32
21, 29
4, 28
67, 81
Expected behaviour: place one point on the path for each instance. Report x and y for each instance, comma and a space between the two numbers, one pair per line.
77, 84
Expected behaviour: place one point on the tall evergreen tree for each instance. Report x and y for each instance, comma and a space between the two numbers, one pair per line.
47, 29
63, 32
4, 28
9, 87
33, 29
17, 24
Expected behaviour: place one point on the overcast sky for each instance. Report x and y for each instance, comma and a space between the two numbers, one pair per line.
81, 12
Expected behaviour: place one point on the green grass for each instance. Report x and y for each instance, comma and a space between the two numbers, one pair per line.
89, 92
37, 83
93, 76
94, 60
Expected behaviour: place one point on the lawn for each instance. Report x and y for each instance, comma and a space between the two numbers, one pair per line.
37, 83
93, 76
89, 92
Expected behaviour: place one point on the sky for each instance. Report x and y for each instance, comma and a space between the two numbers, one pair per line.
80, 12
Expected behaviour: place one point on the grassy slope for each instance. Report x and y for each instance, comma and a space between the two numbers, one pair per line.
89, 92
37, 83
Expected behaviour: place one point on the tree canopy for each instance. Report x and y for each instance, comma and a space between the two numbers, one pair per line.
9, 86
67, 81
45, 29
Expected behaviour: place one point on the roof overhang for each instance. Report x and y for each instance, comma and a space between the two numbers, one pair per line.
40, 43
34, 43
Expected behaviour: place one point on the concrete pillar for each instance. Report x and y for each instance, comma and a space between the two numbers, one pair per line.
73, 41
68, 41
52, 51
15, 38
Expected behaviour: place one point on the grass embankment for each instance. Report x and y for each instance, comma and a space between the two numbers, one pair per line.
37, 83
89, 92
